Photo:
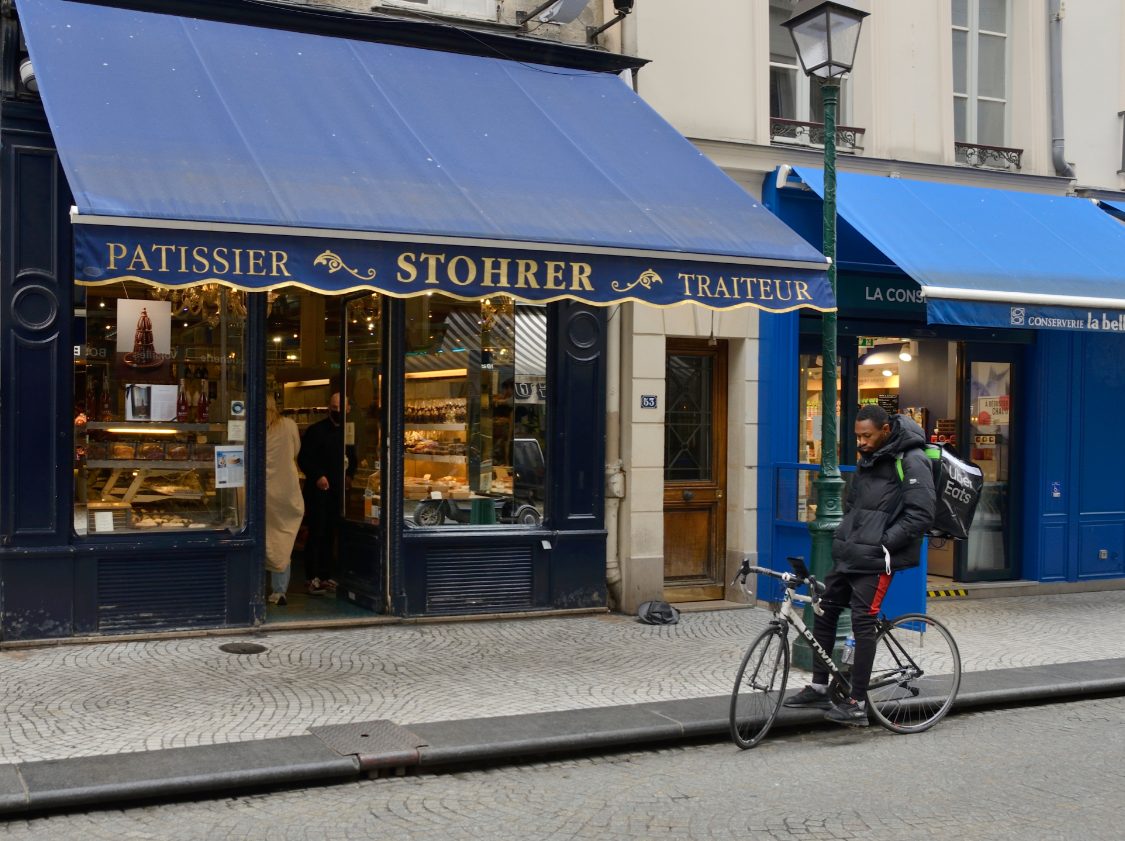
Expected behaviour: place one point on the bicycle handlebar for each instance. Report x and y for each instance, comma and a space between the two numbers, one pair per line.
790, 579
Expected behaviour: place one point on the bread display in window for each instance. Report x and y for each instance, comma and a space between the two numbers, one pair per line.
121, 449
150, 450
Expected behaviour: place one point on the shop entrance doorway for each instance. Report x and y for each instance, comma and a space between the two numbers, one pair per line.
324, 370
962, 394
695, 447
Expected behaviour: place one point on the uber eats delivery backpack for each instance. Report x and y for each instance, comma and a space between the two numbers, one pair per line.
957, 484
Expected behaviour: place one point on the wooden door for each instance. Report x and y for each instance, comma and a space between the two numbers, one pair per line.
695, 448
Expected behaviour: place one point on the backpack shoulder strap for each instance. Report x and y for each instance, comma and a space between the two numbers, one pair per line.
932, 451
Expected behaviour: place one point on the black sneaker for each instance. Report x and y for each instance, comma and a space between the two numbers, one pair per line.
849, 713
809, 699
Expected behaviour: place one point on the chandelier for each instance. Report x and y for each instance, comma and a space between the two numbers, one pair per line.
206, 301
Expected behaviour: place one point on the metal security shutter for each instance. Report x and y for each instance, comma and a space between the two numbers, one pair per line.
476, 580
143, 595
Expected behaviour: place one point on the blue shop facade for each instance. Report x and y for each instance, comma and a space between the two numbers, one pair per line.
997, 320
208, 203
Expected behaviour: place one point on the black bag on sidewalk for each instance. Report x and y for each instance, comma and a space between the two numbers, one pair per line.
658, 613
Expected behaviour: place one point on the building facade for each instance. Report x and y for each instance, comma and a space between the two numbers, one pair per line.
417, 247
1021, 101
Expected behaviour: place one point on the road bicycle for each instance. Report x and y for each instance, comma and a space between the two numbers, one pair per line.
914, 681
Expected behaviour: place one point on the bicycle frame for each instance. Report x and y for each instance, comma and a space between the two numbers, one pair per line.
788, 616
907, 670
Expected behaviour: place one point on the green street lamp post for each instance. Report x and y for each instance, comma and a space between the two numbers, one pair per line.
825, 34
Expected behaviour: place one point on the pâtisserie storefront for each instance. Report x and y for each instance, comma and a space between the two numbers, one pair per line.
329, 210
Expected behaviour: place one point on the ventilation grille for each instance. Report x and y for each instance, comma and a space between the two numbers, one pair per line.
488, 579
136, 595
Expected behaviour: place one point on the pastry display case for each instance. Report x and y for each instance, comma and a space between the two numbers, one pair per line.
149, 476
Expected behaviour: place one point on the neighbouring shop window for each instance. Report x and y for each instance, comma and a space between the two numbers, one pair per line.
475, 410
913, 377
797, 485
811, 387
980, 71
160, 409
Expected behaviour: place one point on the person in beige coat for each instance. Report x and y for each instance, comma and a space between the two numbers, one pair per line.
284, 504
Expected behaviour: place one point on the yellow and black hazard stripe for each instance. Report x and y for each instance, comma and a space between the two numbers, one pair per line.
946, 594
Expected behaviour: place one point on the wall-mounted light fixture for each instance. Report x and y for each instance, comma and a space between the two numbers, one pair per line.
27, 76
879, 356
623, 7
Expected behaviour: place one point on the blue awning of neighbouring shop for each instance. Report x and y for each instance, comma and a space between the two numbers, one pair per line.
346, 164
992, 258
1114, 208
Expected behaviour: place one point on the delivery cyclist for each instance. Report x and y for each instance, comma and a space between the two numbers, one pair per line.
884, 523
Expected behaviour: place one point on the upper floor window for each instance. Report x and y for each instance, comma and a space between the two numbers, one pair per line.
463, 8
793, 96
796, 102
980, 71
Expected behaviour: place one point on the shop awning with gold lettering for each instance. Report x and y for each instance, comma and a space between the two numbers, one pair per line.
200, 150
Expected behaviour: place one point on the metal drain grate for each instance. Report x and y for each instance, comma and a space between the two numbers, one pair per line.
243, 648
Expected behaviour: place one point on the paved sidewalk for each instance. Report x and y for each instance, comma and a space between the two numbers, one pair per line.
69, 702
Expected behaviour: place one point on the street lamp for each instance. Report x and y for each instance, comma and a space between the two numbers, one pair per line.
825, 34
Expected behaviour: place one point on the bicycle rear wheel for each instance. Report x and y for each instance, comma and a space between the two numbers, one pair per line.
759, 688
916, 675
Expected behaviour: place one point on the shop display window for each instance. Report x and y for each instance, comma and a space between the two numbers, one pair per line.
475, 409
159, 409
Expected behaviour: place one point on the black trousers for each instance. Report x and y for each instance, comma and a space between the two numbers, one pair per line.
322, 513
863, 592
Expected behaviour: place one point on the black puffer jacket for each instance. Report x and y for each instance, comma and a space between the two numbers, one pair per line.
883, 510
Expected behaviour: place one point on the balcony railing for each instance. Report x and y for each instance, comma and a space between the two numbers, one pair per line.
849, 139
988, 157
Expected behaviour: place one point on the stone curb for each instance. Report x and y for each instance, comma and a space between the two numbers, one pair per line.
219, 770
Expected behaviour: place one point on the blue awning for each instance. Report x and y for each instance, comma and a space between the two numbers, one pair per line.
1114, 208
186, 139
992, 258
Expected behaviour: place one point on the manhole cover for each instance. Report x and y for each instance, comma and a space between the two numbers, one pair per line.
242, 648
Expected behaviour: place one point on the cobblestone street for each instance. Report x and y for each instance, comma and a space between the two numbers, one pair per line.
1042, 773
84, 700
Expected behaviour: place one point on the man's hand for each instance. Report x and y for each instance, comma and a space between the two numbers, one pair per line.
322, 483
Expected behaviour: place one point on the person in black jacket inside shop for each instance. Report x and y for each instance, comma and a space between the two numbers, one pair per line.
886, 518
319, 460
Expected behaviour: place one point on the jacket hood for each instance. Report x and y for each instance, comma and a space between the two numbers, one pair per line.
905, 435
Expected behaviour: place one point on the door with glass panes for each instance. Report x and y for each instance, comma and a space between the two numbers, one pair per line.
695, 423
989, 429
361, 545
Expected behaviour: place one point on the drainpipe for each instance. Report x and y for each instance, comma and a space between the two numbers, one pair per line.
1058, 142
614, 472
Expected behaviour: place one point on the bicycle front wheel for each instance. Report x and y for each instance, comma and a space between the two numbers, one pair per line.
759, 688
916, 675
